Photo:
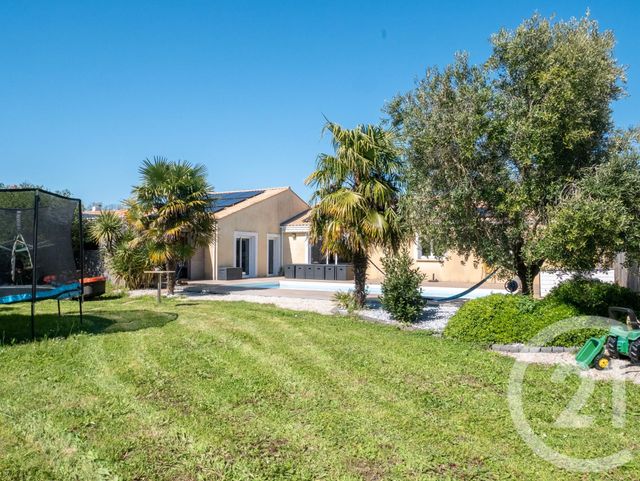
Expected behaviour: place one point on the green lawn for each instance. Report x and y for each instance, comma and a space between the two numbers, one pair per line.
215, 390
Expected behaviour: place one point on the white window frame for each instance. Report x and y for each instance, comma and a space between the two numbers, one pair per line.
253, 250
328, 258
277, 264
420, 253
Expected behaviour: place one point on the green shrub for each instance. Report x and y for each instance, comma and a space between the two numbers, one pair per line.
507, 319
128, 263
346, 300
593, 297
401, 296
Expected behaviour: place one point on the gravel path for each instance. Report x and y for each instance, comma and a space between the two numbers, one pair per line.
314, 305
620, 369
434, 316
297, 304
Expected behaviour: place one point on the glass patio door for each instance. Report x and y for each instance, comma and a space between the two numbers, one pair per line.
273, 255
243, 245
271, 252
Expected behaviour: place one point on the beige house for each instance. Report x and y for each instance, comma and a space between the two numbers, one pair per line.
263, 230
248, 234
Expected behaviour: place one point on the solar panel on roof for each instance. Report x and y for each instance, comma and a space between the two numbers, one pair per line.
227, 199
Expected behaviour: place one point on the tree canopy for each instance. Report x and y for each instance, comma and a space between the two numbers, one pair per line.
491, 148
599, 216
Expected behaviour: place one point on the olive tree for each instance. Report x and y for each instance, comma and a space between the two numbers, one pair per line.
491, 148
599, 215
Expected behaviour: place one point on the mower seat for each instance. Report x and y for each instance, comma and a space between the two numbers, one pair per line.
632, 319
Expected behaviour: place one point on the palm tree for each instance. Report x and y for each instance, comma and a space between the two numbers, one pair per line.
107, 230
171, 211
356, 197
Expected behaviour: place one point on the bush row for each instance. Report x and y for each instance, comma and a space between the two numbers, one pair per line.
506, 319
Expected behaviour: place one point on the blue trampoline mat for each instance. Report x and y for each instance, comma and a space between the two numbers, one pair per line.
60, 292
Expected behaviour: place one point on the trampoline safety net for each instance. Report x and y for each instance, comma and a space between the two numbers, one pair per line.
38, 244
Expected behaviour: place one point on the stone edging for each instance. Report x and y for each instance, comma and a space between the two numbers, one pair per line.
530, 349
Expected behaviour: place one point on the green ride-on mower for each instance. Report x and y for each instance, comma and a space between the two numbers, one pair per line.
621, 341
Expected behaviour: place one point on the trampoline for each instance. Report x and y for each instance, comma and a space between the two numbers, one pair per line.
41, 248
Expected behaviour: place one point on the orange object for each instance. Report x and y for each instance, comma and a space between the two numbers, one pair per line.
91, 280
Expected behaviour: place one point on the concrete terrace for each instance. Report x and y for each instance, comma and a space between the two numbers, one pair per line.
253, 286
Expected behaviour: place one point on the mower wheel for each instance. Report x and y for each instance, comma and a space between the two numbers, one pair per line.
602, 362
634, 351
612, 347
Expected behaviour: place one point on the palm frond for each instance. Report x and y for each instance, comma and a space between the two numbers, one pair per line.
356, 190
170, 209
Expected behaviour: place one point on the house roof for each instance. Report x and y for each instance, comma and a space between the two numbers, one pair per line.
222, 200
232, 201
298, 223
303, 218
225, 202
94, 214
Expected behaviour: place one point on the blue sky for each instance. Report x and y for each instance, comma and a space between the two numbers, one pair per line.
88, 89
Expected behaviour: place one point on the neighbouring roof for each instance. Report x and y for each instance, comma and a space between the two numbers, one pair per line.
229, 202
298, 223
94, 214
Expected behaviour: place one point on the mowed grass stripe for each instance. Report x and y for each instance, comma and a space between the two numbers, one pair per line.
263, 352
283, 386
116, 420
242, 435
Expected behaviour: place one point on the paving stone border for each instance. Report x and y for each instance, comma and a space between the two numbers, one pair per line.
530, 349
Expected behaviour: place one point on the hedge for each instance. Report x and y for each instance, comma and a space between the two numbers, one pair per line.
593, 297
509, 319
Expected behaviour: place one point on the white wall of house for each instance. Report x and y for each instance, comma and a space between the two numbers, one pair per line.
295, 247
550, 279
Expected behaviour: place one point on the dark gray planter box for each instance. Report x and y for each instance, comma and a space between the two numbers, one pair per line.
330, 272
308, 271
344, 272
290, 271
229, 273
318, 272
300, 271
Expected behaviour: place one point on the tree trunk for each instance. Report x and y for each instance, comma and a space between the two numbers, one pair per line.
171, 278
526, 273
360, 262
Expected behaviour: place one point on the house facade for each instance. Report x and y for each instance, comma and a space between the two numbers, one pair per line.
298, 249
262, 230
248, 233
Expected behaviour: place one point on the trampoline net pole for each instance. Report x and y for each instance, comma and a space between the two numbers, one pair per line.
34, 270
81, 298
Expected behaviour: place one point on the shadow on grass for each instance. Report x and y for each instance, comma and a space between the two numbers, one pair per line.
107, 297
15, 328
